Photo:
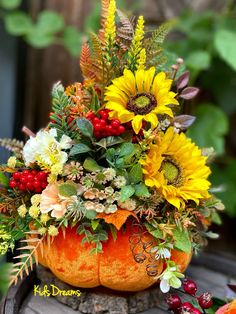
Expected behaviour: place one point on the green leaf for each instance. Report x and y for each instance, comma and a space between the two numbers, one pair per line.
39, 39
126, 149
141, 190
216, 218
10, 4
225, 44
49, 22
113, 231
95, 223
136, 174
72, 39
210, 127
79, 149
156, 232
4, 180
198, 60
182, 240
126, 192
67, 189
85, 127
95, 103
109, 141
90, 214
91, 165
18, 23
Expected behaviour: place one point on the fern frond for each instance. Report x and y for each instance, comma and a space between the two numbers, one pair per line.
126, 29
159, 35
28, 258
85, 61
104, 11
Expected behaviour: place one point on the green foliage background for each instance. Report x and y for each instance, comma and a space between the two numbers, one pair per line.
206, 41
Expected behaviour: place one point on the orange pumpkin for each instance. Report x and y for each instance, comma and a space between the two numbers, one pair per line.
115, 268
229, 308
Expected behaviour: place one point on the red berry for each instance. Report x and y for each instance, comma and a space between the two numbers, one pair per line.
190, 286
128, 125
22, 187
186, 306
98, 127
41, 176
104, 114
173, 301
97, 134
44, 185
205, 300
34, 172
17, 176
30, 186
121, 129
91, 115
96, 120
115, 123
103, 122
30, 177
109, 130
37, 185
26, 171
195, 311
13, 184
23, 180
39, 190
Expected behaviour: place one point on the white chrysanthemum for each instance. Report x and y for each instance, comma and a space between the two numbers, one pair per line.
46, 150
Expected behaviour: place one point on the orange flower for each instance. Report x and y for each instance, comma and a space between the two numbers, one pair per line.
76, 93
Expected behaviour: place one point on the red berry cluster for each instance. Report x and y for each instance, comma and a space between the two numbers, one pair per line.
103, 127
31, 180
178, 307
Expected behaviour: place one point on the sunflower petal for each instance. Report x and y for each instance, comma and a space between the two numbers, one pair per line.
137, 123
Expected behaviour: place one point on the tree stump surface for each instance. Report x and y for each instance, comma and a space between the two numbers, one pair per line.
212, 273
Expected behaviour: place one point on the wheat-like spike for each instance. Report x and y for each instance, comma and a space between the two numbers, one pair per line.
13, 145
23, 266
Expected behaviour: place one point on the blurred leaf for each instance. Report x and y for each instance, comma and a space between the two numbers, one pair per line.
92, 22
18, 23
227, 175
210, 127
198, 60
49, 22
225, 44
38, 39
72, 39
10, 4
5, 270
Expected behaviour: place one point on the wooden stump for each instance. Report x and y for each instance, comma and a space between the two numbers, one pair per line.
101, 300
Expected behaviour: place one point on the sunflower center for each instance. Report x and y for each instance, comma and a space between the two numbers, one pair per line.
142, 103
172, 172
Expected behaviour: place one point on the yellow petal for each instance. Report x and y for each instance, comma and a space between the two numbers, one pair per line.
148, 79
160, 77
152, 118
130, 81
137, 123
139, 77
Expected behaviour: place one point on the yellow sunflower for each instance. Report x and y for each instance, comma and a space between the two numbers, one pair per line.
176, 168
140, 96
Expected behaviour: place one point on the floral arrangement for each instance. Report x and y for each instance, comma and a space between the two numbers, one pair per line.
115, 150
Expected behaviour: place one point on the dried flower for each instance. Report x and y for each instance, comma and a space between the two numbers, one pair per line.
35, 199
53, 231
89, 205
42, 230
11, 162
44, 218
99, 208
89, 195
34, 211
119, 182
109, 173
129, 204
22, 210
73, 170
111, 209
